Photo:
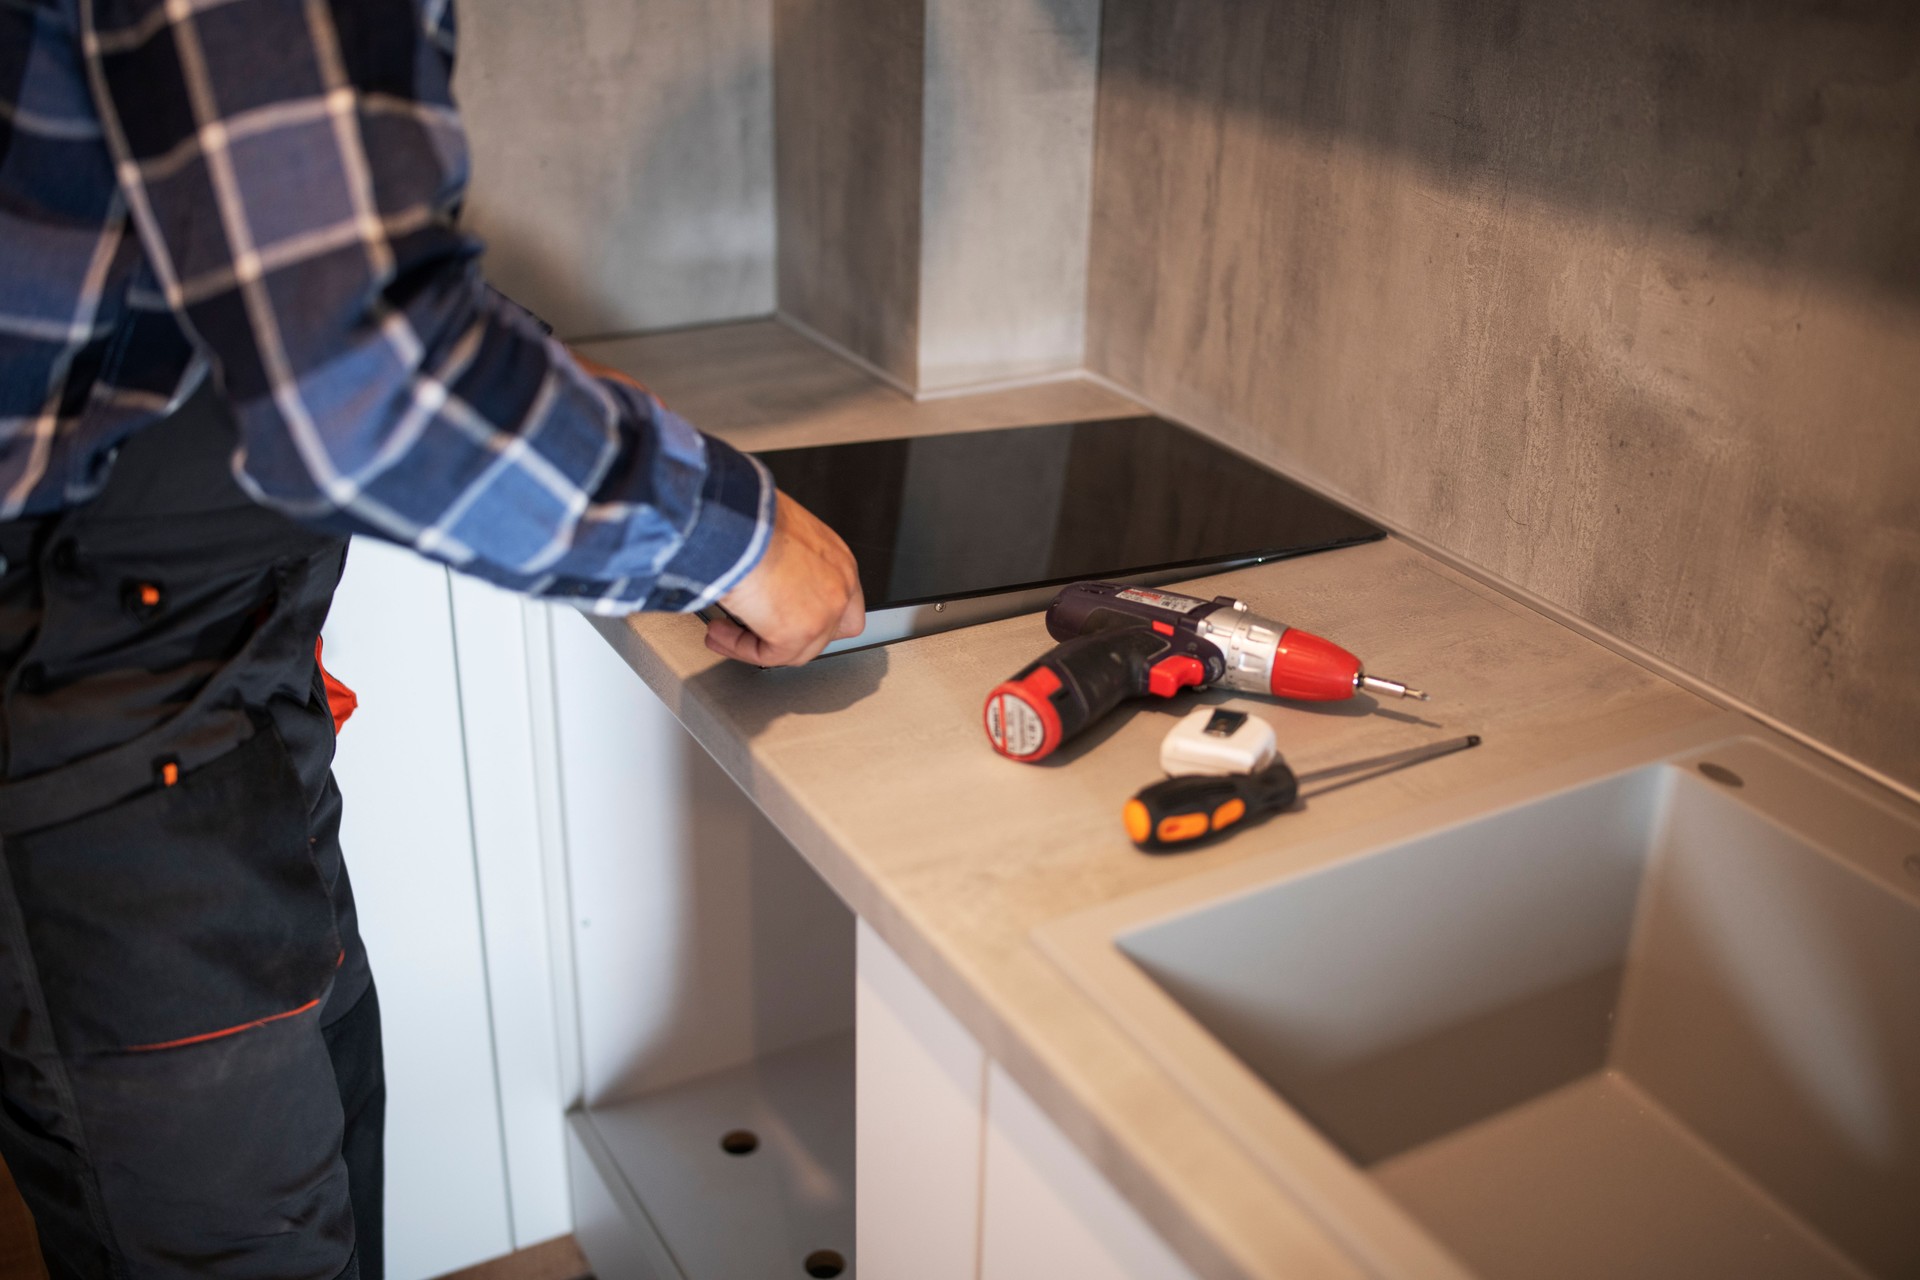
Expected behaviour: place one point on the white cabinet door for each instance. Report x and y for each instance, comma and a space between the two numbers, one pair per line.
919, 1106
1049, 1213
959, 1175
500, 643
701, 938
408, 838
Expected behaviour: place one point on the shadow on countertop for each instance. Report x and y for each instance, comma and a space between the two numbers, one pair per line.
755, 697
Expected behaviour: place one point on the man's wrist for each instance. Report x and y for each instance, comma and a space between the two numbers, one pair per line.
729, 536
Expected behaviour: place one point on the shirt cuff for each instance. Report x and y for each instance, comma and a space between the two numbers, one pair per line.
728, 537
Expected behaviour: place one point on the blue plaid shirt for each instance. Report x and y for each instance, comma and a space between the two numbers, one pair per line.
264, 192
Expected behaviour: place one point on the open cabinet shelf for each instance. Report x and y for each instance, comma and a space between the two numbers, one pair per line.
660, 1198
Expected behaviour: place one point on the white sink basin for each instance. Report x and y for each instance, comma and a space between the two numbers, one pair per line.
1657, 1015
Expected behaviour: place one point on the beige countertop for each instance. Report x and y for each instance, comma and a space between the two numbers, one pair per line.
874, 764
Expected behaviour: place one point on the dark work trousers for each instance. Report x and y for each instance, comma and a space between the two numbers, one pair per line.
190, 1078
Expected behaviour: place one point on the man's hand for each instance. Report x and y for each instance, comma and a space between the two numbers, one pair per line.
804, 594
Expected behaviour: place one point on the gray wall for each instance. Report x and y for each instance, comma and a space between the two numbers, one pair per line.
934, 162
931, 163
848, 136
1006, 189
623, 157
1619, 301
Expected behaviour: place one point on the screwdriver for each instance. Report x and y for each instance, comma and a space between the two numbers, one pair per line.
1176, 813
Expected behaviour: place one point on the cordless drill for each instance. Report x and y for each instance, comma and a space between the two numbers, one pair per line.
1119, 642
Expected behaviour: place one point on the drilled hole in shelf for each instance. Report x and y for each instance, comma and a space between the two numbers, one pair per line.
741, 1142
1721, 774
825, 1263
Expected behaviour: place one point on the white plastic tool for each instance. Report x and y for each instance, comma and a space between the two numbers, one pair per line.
1213, 742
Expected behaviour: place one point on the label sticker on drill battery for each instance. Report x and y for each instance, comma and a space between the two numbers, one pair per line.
1014, 727
1160, 600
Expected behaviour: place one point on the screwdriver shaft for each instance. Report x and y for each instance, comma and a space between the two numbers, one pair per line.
1386, 764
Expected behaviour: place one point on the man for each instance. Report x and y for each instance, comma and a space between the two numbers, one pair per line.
237, 322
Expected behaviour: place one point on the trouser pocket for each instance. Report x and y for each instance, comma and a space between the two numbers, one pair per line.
185, 913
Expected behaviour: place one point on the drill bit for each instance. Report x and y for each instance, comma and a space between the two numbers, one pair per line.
1374, 684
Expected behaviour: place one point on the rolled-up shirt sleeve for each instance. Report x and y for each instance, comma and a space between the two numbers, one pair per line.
293, 172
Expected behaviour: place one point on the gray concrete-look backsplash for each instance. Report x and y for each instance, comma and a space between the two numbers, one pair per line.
1618, 301
847, 108
934, 162
930, 163
623, 157
1006, 188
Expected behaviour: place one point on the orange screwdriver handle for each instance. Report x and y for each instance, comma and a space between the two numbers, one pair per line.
1178, 813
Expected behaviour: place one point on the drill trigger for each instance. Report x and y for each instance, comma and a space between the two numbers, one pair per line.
1172, 674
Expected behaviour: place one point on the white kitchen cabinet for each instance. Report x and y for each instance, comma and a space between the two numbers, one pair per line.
450, 848
701, 938
715, 993
518, 863
920, 1093
1048, 1212
408, 837
961, 1176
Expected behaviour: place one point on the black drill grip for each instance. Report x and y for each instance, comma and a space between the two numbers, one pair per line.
1075, 684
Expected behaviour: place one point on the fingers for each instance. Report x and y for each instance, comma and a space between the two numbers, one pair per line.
730, 640
853, 615
755, 651
811, 651
853, 619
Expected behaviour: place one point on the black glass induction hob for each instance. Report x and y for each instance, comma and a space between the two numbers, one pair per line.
956, 529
